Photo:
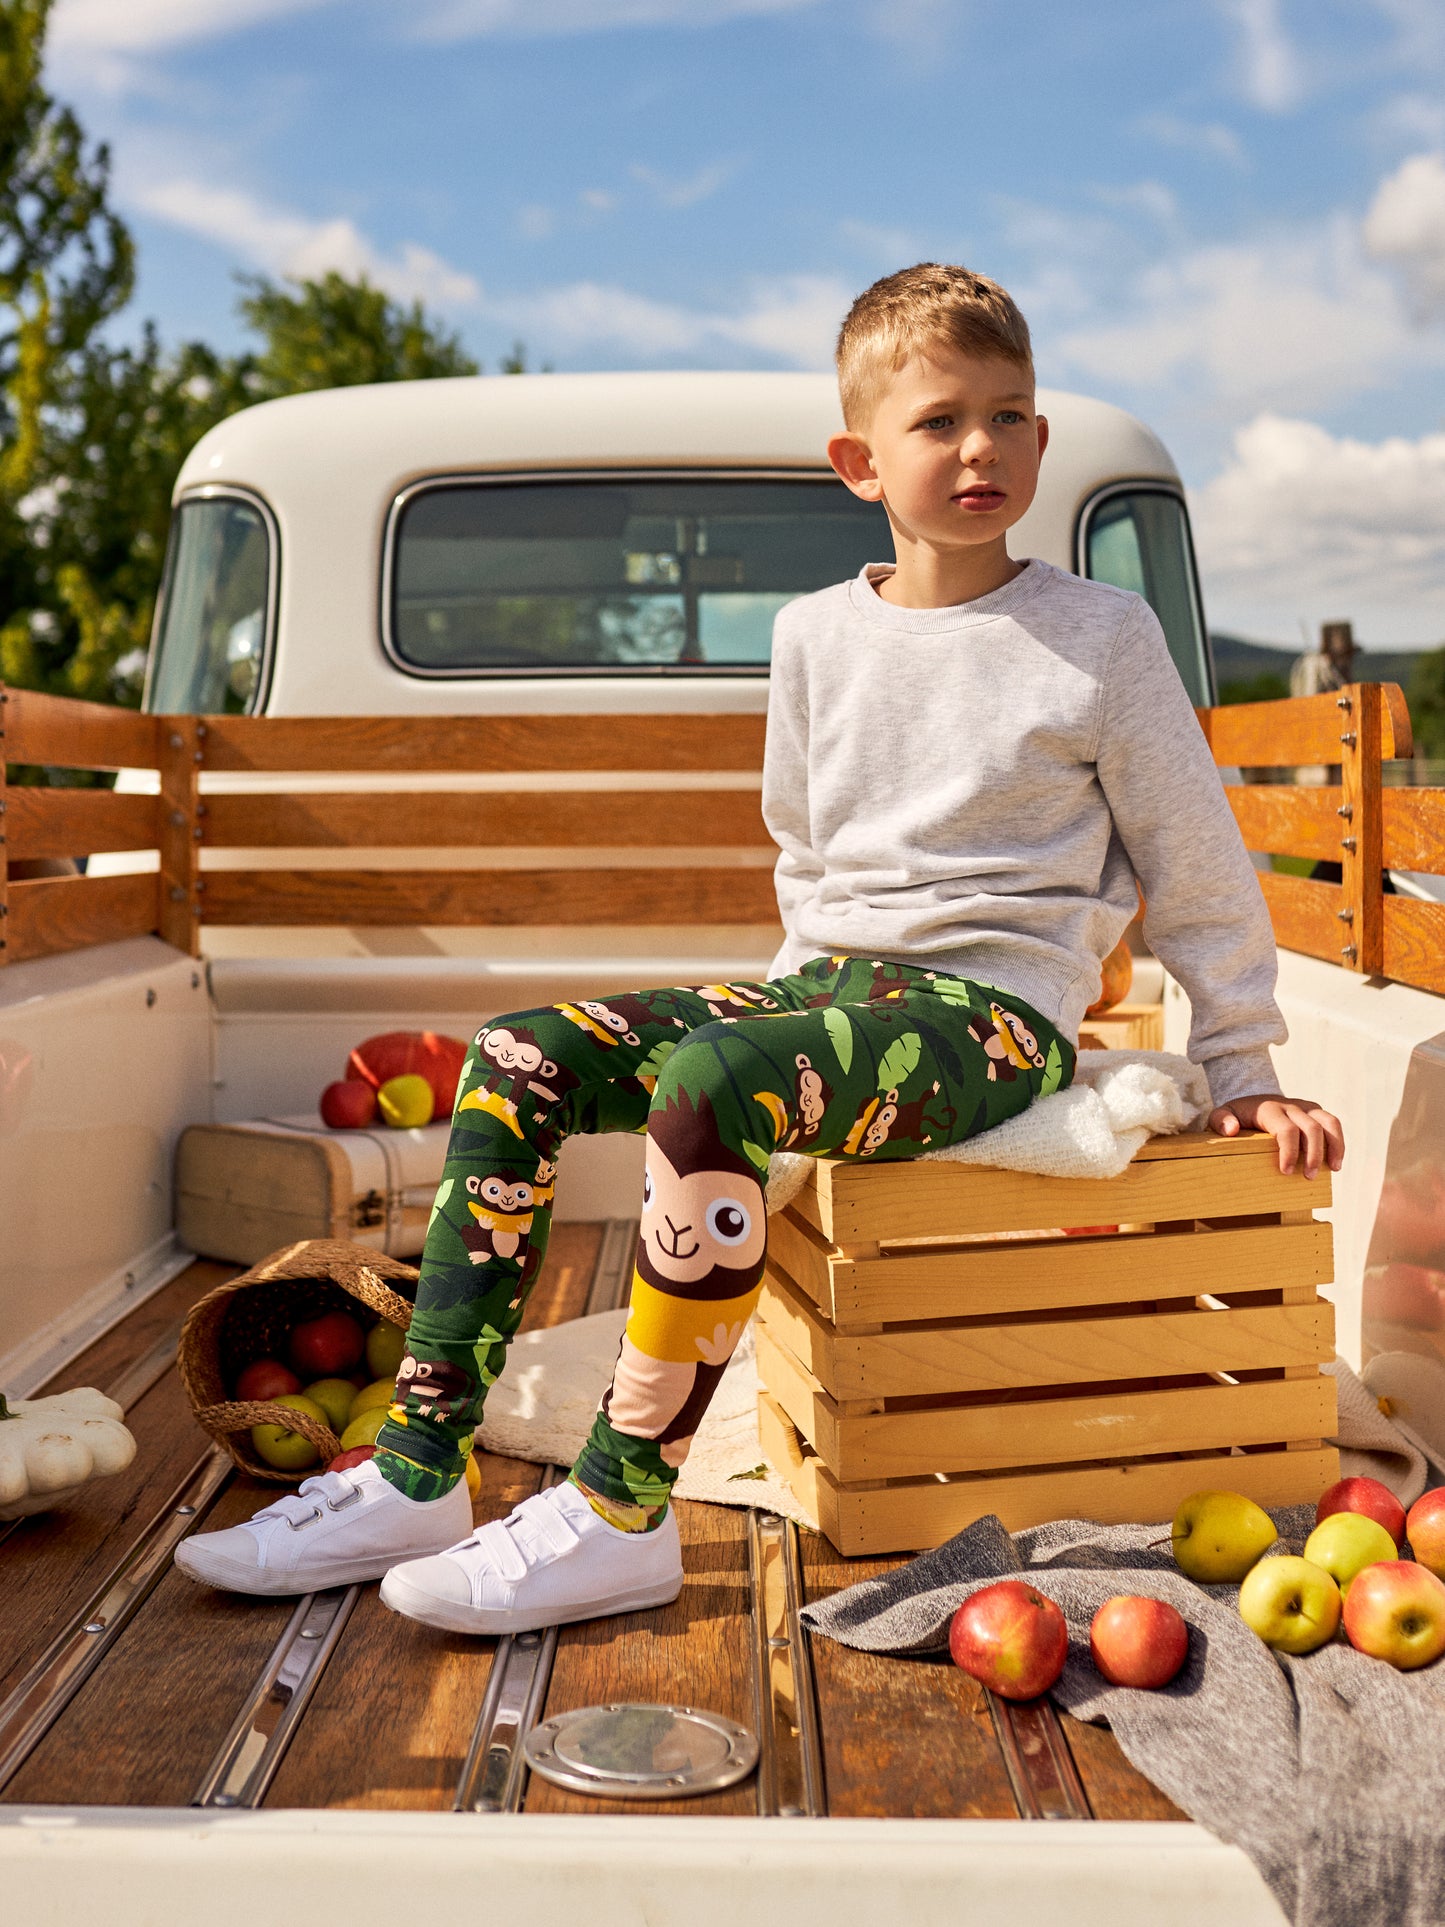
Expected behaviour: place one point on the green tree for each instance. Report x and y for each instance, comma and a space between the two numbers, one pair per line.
335, 333
1427, 702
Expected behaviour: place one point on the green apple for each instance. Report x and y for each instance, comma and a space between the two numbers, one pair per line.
385, 1349
334, 1396
288, 1451
1344, 1543
1290, 1603
363, 1429
1218, 1536
381, 1392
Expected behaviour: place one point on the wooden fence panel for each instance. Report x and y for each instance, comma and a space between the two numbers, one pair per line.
53, 914
60, 823
1414, 942
59, 731
484, 744
512, 819
390, 897
1306, 915
1306, 730
1287, 819
1414, 829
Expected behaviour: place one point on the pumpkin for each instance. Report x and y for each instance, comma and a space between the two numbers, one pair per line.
1117, 971
50, 1447
404, 1053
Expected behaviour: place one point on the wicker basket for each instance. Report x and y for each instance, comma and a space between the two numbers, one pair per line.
249, 1317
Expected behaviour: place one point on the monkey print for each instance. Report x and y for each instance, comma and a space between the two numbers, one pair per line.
515, 1063
1008, 1043
812, 1094
912, 1122
745, 999
502, 1209
440, 1390
607, 1025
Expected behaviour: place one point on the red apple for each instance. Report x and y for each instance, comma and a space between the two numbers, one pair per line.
1011, 1639
1376, 1501
265, 1379
349, 1105
1089, 1230
1425, 1529
328, 1346
357, 1455
1138, 1642
1396, 1611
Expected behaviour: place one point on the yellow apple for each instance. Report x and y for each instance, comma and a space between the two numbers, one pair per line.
334, 1396
1218, 1536
1344, 1543
1290, 1603
474, 1475
381, 1392
385, 1349
288, 1451
363, 1430
406, 1101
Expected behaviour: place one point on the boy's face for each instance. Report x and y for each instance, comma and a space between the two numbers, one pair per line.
952, 450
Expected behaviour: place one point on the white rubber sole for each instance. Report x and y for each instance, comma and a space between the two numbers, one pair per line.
230, 1575
457, 1616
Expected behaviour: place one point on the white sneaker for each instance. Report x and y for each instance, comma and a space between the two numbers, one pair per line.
552, 1561
337, 1530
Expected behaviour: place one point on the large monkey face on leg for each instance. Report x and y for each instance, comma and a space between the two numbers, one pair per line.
704, 1222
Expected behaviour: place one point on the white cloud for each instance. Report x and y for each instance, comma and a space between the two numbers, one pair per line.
1199, 137
688, 191
1305, 524
1296, 320
1406, 228
1270, 73
283, 242
448, 20
132, 26
793, 320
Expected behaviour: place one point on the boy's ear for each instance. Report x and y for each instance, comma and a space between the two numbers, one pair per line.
853, 463
1043, 426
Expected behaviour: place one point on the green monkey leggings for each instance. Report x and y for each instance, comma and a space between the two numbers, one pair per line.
848, 1058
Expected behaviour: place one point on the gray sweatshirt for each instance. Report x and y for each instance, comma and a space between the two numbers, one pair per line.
975, 789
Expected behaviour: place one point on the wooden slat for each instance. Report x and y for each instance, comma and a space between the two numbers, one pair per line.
729, 819
73, 735
1303, 729
893, 1203
1414, 836
935, 1360
911, 1515
1041, 1431
1288, 819
486, 743
177, 906
1362, 849
51, 914
385, 897
993, 1279
1306, 915
60, 822
1414, 942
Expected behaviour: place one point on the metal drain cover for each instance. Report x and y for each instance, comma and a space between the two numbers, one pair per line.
641, 1752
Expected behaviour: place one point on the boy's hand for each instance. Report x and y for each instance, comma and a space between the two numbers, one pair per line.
1294, 1122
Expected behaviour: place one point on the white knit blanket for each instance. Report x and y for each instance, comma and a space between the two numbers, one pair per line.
1118, 1099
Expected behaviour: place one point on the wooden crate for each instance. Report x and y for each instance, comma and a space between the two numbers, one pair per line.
1125, 1027
932, 1348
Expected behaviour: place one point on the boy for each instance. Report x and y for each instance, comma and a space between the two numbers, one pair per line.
969, 761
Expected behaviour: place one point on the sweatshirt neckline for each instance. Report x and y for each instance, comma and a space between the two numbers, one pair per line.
865, 599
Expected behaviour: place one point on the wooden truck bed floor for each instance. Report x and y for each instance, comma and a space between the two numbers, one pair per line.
392, 1719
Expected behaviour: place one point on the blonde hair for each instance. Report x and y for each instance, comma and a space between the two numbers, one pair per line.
904, 313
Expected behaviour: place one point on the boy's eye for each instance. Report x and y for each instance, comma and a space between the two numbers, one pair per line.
937, 421
1009, 415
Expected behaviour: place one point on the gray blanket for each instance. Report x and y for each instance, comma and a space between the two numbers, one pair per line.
1329, 1771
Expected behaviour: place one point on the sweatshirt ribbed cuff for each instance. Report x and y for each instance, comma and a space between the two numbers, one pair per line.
1244, 1073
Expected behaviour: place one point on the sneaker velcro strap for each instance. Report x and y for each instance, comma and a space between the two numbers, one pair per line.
497, 1543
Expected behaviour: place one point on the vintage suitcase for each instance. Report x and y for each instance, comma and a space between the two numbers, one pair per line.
243, 1190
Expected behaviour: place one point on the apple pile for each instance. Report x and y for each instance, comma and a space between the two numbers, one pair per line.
1014, 1640
1351, 1572
324, 1379
406, 1077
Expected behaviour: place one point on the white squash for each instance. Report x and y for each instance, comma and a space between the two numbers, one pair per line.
49, 1447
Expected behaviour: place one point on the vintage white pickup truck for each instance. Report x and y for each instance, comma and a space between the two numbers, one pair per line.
454, 706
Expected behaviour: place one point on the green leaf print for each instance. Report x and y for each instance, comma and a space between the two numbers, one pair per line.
840, 1035
645, 1486
900, 1058
652, 1064
1053, 1070
444, 1191
953, 991
755, 1154
490, 1352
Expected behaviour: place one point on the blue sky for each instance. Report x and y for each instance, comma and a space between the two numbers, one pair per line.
1226, 215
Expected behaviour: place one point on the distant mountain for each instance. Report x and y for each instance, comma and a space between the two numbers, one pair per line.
1244, 670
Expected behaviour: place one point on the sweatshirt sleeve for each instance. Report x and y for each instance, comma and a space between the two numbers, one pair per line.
785, 779
1204, 915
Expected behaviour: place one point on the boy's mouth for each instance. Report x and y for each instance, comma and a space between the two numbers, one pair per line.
980, 498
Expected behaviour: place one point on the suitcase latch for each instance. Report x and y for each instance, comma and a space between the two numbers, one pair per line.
369, 1211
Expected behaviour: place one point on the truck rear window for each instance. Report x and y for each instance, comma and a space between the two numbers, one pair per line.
651, 573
